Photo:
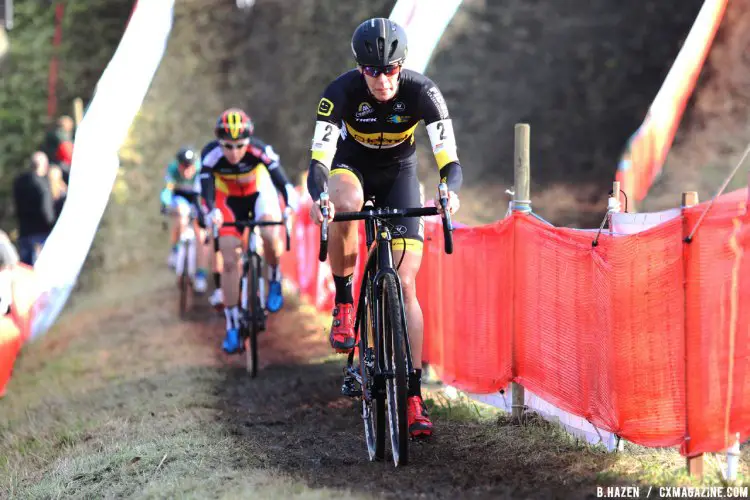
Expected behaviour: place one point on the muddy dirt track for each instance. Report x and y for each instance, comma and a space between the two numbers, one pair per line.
293, 418
153, 368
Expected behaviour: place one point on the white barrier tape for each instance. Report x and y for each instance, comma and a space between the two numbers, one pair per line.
118, 97
631, 223
424, 22
577, 426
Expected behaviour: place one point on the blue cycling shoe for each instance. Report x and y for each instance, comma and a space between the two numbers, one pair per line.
275, 298
231, 342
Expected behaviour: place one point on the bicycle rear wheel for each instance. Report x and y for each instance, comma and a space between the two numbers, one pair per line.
185, 284
394, 349
251, 339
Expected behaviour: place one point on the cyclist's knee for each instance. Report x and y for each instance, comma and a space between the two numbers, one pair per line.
269, 233
407, 273
408, 284
346, 193
231, 249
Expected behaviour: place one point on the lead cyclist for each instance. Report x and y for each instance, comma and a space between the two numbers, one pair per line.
363, 147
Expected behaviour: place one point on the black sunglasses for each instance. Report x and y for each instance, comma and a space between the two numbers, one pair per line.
376, 71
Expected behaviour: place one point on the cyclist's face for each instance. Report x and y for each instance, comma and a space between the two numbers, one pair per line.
187, 169
234, 150
385, 85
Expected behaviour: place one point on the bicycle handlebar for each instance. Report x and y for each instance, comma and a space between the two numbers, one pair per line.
387, 213
242, 224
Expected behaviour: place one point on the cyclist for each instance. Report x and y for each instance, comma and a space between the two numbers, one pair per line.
216, 299
179, 198
238, 177
363, 148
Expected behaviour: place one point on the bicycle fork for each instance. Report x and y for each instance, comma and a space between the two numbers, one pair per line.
247, 261
186, 246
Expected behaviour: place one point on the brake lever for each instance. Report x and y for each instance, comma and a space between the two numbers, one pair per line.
288, 228
447, 222
324, 227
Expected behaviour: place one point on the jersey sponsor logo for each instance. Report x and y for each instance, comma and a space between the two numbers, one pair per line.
363, 109
367, 120
398, 119
325, 107
399, 107
380, 139
437, 99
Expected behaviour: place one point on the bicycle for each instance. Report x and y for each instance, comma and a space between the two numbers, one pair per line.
253, 289
381, 377
185, 265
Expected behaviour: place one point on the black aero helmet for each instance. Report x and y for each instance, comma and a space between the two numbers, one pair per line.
379, 42
186, 156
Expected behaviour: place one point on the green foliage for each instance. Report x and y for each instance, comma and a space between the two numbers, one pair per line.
91, 30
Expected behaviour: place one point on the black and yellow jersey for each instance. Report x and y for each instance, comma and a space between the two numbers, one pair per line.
355, 127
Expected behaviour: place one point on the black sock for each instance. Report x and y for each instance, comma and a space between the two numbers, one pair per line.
415, 383
343, 289
217, 280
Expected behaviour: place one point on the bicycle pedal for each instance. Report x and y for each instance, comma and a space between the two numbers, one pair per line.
350, 388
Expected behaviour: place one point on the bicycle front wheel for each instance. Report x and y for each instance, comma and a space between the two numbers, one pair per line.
373, 395
253, 310
394, 332
185, 284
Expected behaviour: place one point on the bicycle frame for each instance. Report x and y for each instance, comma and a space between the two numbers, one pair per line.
384, 367
188, 243
252, 293
252, 257
382, 260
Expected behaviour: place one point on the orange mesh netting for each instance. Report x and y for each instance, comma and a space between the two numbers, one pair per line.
642, 334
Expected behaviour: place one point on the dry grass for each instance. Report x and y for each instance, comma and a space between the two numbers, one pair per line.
123, 399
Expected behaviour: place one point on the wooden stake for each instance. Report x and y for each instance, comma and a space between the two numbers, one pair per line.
522, 204
695, 463
78, 110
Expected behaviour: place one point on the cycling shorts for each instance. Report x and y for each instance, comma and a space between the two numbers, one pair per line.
393, 185
264, 202
182, 204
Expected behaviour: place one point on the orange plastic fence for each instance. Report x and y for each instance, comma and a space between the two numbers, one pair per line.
15, 327
647, 149
642, 334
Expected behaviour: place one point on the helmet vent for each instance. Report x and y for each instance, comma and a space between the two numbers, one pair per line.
381, 45
368, 46
394, 44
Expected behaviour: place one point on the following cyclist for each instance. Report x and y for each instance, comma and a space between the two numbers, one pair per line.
179, 198
239, 179
363, 148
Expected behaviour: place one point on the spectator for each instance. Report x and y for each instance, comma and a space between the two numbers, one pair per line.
58, 189
34, 208
58, 144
